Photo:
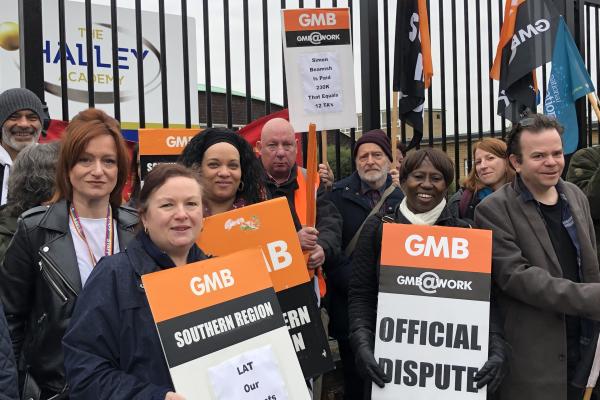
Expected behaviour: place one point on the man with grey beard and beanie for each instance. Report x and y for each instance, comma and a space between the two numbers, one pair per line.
369, 189
21, 118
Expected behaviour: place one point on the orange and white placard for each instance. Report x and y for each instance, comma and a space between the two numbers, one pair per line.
319, 67
269, 226
222, 330
433, 311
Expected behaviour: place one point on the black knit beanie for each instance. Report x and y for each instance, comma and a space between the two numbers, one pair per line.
17, 99
378, 137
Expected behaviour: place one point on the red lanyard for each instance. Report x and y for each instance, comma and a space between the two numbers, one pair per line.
108, 240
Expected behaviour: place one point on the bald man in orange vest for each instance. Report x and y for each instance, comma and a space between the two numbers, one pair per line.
278, 149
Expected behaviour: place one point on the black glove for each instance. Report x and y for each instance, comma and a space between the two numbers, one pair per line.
362, 343
496, 367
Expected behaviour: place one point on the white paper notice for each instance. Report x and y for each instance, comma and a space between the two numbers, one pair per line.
252, 375
321, 82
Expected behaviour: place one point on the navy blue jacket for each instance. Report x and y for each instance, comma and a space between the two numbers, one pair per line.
8, 368
354, 208
112, 350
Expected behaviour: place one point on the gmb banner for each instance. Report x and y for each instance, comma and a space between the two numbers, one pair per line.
161, 146
269, 225
221, 329
433, 311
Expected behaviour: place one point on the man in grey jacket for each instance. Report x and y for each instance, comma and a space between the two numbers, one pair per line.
544, 264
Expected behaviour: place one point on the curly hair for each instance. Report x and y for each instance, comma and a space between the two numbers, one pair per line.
253, 176
32, 178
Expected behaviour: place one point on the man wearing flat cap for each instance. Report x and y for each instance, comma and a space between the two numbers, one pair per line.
368, 190
21, 118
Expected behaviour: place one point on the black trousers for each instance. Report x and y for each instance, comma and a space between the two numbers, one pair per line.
353, 383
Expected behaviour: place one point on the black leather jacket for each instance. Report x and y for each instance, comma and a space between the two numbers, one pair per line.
39, 283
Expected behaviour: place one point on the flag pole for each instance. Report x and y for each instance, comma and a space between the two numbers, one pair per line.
594, 371
324, 147
311, 172
394, 130
594, 102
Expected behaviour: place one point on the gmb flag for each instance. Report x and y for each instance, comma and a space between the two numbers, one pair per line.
569, 80
412, 63
526, 41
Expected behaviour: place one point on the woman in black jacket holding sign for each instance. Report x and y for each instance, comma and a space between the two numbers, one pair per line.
425, 178
112, 350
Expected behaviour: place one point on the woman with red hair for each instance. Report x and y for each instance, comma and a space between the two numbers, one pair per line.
55, 248
491, 172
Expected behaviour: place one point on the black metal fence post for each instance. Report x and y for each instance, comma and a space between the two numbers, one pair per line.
369, 63
31, 46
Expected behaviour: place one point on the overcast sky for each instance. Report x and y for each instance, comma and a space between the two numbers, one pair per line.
274, 30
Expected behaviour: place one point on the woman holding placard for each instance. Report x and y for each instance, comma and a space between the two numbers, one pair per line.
56, 247
425, 177
231, 175
112, 348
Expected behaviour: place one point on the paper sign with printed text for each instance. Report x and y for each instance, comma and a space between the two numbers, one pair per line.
319, 68
220, 324
269, 225
433, 311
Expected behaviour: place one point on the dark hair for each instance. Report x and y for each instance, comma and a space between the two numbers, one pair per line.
136, 183
402, 147
158, 177
87, 125
496, 147
253, 176
32, 177
535, 123
437, 158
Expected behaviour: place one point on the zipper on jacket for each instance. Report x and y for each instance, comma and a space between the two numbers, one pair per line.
55, 271
49, 279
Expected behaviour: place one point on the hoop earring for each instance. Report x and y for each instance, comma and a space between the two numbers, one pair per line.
145, 230
241, 187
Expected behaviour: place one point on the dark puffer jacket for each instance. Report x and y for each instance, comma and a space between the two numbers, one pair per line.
354, 208
112, 348
8, 368
584, 171
364, 284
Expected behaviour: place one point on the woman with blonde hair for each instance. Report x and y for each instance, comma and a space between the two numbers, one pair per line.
491, 172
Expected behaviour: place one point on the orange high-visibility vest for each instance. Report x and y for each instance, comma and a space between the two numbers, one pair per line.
300, 206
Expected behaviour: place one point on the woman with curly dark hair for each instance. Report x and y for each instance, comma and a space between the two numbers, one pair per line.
31, 183
231, 175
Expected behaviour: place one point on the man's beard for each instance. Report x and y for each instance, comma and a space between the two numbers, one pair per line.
373, 178
8, 138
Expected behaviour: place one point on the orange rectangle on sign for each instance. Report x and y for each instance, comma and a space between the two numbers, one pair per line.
437, 247
267, 225
164, 141
312, 19
181, 290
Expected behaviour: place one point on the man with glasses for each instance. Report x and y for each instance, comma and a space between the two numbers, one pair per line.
278, 149
544, 266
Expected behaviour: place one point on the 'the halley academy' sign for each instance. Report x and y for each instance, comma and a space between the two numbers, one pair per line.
76, 60
433, 311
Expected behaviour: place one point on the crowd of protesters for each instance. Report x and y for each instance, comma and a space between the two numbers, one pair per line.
74, 319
